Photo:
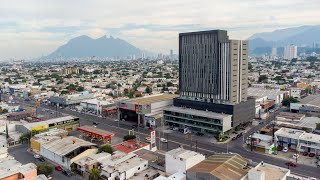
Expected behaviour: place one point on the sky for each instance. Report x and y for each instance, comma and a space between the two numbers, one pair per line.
35, 28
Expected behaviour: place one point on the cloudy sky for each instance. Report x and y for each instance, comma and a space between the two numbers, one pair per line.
32, 28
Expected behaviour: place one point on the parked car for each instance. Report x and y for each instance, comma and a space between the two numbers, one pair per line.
312, 154
41, 159
95, 123
49, 177
234, 138
279, 148
163, 140
134, 126
295, 156
292, 164
36, 156
199, 134
175, 128
58, 168
285, 149
67, 173
148, 139
305, 153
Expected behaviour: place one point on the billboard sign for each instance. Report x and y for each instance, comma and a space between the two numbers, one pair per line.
153, 137
127, 106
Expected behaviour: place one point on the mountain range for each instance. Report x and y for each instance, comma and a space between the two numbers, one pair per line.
84, 46
300, 36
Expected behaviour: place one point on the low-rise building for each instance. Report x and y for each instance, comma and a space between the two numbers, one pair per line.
264, 171
261, 142
219, 166
11, 169
289, 117
70, 100
180, 160
131, 146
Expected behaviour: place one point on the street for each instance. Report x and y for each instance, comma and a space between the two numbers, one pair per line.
177, 139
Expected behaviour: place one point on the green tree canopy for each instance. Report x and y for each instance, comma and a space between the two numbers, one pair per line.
105, 148
262, 78
95, 174
287, 101
148, 90
45, 168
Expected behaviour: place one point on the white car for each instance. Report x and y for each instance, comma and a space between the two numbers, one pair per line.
163, 140
285, 149
36, 156
116, 120
295, 156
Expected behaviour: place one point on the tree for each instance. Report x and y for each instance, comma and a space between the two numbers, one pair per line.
95, 174
128, 137
45, 168
64, 92
7, 132
263, 78
126, 91
73, 167
148, 90
287, 101
53, 89
318, 126
169, 84
105, 148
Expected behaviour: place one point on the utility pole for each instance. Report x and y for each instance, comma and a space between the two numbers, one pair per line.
251, 139
168, 141
196, 145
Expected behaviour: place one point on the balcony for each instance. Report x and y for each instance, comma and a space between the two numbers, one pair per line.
193, 119
193, 125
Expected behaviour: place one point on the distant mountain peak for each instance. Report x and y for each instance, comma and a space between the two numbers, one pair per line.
85, 46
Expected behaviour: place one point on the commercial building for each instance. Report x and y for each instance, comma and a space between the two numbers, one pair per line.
213, 76
289, 117
290, 52
267, 172
146, 110
94, 105
261, 142
68, 123
298, 140
67, 150
96, 133
309, 105
180, 160
131, 146
71, 99
71, 71
219, 166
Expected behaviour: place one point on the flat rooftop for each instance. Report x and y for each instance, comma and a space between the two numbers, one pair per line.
96, 131
130, 146
262, 92
272, 172
311, 100
291, 115
195, 112
182, 153
152, 99
289, 133
309, 122
49, 121
310, 137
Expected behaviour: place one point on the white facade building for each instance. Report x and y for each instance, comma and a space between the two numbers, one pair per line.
290, 52
180, 160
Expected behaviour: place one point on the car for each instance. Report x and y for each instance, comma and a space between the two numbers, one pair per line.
295, 156
234, 138
116, 120
163, 140
261, 122
148, 139
305, 153
279, 148
134, 126
58, 168
95, 123
199, 134
67, 173
49, 177
285, 149
292, 164
312, 154
41, 159
36, 156
175, 128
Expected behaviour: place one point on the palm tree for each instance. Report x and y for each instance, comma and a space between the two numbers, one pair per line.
95, 174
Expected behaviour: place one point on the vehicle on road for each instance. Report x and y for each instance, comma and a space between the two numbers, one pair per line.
285, 149
36, 156
58, 168
295, 156
199, 134
49, 177
41, 159
95, 123
305, 153
234, 138
279, 148
292, 164
117, 120
67, 173
312, 154
175, 128
163, 140
134, 126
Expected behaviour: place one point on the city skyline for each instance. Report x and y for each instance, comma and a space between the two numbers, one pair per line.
32, 29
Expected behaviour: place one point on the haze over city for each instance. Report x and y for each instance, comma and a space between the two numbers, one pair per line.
30, 29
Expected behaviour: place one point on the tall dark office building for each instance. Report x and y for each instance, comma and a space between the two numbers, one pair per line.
212, 67
213, 83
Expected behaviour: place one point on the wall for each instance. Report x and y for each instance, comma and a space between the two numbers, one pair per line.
13, 177
143, 165
174, 165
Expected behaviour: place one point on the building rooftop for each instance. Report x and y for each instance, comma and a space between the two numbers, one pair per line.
66, 145
130, 146
311, 100
195, 112
93, 158
182, 153
309, 122
223, 166
271, 172
175, 176
289, 133
290, 115
49, 121
261, 92
150, 172
97, 131
310, 137
152, 99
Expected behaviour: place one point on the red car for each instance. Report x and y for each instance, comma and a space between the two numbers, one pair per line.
279, 148
312, 154
291, 164
305, 153
58, 168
